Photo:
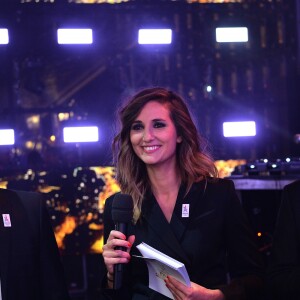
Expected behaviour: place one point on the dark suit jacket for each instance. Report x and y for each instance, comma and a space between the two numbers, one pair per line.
284, 268
30, 264
214, 242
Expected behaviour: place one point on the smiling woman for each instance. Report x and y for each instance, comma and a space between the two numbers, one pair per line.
153, 135
180, 207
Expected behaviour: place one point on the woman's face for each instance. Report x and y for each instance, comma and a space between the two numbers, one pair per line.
153, 135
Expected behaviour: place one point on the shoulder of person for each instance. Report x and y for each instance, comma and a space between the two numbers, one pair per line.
293, 186
215, 186
24, 205
20, 194
30, 199
110, 199
220, 182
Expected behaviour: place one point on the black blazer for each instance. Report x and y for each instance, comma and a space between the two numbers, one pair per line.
214, 242
284, 268
30, 264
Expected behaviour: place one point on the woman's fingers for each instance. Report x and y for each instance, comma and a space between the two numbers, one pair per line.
131, 240
118, 243
112, 257
116, 250
116, 259
114, 234
116, 239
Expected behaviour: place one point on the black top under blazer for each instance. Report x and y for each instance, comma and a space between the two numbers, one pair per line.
215, 242
30, 265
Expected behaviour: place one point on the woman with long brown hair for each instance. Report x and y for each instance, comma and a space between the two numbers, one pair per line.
163, 164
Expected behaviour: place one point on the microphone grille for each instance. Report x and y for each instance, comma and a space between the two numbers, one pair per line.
122, 208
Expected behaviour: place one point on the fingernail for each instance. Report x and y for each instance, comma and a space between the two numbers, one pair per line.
129, 245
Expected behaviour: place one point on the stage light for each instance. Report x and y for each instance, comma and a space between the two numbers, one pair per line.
239, 129
64, 116
80, 134
7, 137
29, 145
259, 167
33, 122
155, 36
231, 34
276, 167
74, 36
4, 39
297, 138
209, 88
291, 165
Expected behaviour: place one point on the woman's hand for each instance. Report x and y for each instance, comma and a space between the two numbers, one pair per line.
195, 291
111, 255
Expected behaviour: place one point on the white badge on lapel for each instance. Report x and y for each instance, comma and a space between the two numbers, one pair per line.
6, 220
185, 213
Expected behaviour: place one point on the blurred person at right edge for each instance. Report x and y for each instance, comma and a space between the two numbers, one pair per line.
163, 163
284, 267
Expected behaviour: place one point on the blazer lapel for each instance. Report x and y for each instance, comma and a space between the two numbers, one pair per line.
164, 235
168, 235
190, 203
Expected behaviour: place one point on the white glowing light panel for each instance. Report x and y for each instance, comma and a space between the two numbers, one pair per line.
155, 36
74, 36
7, 137
245, 128
81, 134
4, 36
231, 34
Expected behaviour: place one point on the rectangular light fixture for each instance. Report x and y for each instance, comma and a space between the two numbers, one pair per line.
231, 34
4, 39
74, 36
155, 36
7, 137
81, 134
236, 129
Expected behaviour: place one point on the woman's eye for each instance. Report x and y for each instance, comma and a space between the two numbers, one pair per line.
159, 125
136, 126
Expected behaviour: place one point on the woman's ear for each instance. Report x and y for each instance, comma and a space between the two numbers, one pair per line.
179, 139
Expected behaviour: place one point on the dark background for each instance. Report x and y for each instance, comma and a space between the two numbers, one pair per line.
257, 80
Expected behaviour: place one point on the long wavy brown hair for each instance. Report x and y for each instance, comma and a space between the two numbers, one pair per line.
193, 158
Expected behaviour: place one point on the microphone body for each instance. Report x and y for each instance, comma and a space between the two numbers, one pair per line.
119, 268
122, 211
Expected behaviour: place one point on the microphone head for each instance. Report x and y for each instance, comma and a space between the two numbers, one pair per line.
122, 208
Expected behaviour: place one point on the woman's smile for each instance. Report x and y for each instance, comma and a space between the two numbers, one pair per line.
150, 149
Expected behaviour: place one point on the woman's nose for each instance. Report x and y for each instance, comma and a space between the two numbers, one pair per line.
148, 135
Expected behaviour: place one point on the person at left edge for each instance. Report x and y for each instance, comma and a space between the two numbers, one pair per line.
30, 264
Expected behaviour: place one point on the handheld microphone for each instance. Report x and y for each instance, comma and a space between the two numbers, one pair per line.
122, 212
